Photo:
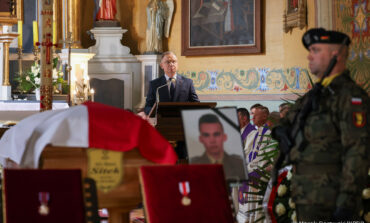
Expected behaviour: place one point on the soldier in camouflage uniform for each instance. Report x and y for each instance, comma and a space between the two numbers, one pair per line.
331, 160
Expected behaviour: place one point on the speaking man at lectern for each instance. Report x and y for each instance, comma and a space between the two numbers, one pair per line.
171, 86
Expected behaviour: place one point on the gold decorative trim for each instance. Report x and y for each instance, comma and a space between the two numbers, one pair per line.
295, 14
12, 17
73, 22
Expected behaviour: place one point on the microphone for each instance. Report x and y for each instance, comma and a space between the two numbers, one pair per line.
155, 106
173, 80
157, 92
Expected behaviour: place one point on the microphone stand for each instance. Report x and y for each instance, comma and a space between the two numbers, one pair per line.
155, 106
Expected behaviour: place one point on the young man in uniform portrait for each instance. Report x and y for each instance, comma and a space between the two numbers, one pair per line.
213, 137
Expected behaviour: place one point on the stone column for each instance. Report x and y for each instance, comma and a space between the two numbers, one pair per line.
6, 39
6, 63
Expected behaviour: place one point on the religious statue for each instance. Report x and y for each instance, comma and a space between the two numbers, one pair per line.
105, 9
159, 16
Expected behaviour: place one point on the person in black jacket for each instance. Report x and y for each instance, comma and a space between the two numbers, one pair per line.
182, 88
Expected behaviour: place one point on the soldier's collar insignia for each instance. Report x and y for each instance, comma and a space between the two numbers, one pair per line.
359, 119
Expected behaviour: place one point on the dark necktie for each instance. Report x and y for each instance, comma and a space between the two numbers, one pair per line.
172, 89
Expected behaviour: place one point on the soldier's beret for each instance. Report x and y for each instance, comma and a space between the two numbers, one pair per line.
320, 35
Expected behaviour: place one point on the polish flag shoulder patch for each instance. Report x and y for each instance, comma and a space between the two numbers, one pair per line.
356, 101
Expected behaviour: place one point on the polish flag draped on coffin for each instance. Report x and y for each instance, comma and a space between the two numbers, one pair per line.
91, 125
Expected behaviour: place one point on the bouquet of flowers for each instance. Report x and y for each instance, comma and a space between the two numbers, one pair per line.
283, 206
30, 79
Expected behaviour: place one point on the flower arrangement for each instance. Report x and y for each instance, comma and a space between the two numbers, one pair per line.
284, 207
30, 79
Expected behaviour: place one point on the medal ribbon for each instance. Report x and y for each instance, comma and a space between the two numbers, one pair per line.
184, 188
44, 197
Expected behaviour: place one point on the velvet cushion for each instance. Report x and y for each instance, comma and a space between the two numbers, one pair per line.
208, 194
21, 195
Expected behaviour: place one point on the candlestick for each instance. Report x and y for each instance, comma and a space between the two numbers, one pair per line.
74, 93
69, 41
36, 52
88, 82
35, 33
92, 92
20, 34
19, 52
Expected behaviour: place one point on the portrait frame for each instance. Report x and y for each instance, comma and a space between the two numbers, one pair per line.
205, 29
232, 146
12, 16
295, 14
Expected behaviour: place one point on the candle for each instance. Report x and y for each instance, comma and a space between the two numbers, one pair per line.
92, 92
54, 32
88, 82
20, 34
74, 97
35, 33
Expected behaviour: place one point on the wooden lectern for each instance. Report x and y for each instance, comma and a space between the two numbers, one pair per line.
121, 199
169, 121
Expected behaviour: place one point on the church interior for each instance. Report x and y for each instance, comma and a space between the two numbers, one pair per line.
75, 77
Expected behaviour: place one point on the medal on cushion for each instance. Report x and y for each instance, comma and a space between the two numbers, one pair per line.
185, 190
44, 200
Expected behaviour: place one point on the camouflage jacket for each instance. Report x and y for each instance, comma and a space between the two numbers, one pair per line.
332, 166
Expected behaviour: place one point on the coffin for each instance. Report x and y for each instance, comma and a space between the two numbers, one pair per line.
119, 199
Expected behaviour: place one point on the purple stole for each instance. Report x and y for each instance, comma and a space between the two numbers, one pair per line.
247, 130
253, 153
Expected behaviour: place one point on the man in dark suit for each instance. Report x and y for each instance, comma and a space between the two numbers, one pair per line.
212, 136
181, 89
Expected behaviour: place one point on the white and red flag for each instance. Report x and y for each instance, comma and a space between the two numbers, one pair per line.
91, 125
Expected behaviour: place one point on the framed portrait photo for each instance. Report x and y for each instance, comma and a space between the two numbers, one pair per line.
219, 27
212, 139
11, 11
